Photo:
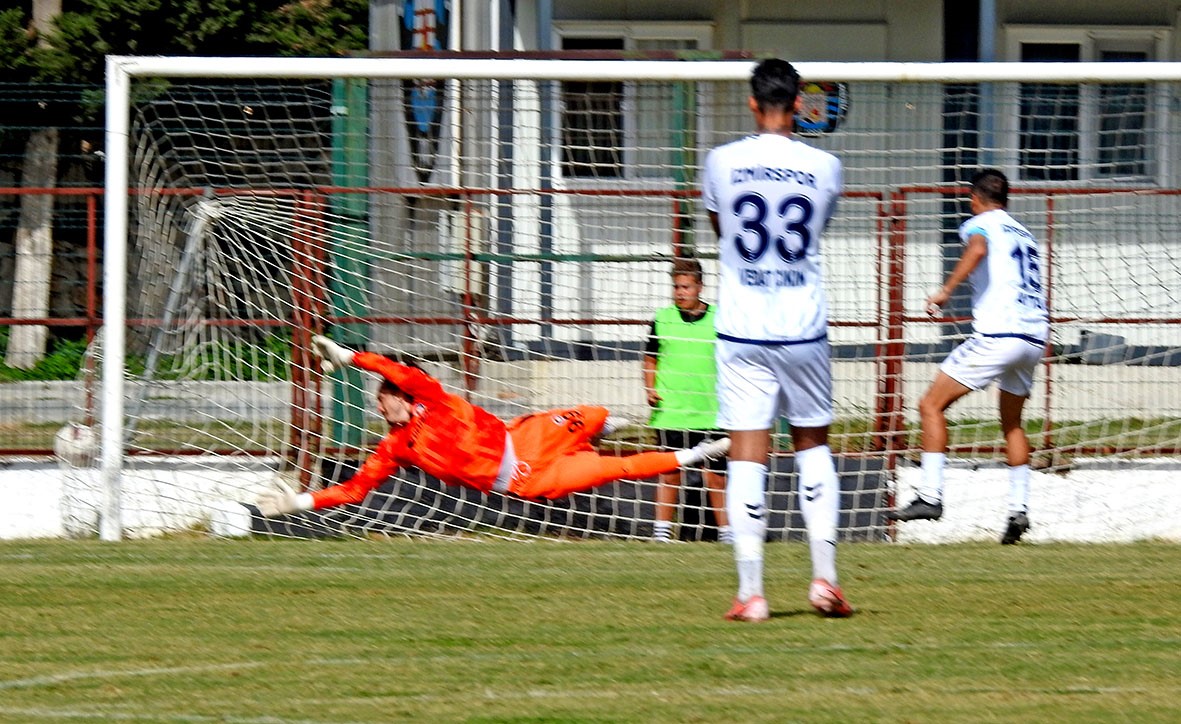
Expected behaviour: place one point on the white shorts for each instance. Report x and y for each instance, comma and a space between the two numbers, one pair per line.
757, 384
1010, 361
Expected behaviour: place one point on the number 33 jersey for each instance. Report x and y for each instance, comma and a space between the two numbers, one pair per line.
773, 196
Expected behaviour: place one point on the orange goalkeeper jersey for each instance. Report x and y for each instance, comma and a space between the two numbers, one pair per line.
447, 437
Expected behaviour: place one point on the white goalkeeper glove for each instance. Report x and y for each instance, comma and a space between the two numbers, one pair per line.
332, 355
284, 500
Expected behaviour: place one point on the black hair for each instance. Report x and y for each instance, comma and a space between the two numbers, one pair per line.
389, 387
991, 185
774, 84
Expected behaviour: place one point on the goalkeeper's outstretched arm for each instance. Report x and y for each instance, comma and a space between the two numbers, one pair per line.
373, 472
332, 355
282, 500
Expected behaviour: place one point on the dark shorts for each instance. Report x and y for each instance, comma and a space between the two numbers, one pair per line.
679, 439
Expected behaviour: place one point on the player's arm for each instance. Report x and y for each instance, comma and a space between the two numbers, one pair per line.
650, 392
836, 177
651, 350
411, 380
373, 472
975, 250
282, 500
709, 194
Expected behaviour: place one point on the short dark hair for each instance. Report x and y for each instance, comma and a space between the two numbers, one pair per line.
388, 387
688, 266
775, 84
991, 185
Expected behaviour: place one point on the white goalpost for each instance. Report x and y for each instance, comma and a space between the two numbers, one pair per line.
509, 226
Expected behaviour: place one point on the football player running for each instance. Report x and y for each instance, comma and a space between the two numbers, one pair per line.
1011, 327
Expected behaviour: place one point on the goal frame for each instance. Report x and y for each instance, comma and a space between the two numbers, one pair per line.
121, 70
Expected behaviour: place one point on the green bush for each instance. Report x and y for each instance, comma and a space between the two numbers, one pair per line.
263, 361
62, 362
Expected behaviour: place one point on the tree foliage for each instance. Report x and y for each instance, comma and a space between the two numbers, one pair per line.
88, 30
316, 27
17, 42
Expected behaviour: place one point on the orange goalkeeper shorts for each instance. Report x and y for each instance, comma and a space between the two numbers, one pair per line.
555, 457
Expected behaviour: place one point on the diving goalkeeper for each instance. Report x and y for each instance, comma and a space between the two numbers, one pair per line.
540, 455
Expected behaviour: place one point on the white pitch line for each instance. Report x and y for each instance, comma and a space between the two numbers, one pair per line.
51, 679
121, 716
116, 673
108, 715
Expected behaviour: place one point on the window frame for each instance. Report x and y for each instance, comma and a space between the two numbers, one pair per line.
632, 34
1092, 41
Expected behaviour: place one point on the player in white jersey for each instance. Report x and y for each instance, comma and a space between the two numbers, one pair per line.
769, 198
1011, 327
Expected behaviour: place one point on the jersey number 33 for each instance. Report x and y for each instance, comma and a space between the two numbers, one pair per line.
782, 225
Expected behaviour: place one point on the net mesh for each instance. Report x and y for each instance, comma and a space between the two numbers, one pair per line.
514, 238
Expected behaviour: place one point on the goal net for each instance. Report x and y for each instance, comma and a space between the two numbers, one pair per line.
509, 226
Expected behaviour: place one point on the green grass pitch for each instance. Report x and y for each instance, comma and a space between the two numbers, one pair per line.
196, 630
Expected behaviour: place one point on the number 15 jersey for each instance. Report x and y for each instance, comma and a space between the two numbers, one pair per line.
1007, 295
773, 196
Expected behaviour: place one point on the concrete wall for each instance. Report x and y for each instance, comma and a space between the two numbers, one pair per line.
1094, 502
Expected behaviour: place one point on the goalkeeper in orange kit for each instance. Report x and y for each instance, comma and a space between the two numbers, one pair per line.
541, 455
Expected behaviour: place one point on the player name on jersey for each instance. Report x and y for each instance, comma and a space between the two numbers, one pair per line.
1019, 231
764, 173
773, 278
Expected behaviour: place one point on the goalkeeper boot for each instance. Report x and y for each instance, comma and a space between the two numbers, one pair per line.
713, 449
704, 450
754, 610
918, 509
1016, 527
828, 600
613, 424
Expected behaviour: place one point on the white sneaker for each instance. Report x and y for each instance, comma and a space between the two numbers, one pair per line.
713, 449
704, 450
754, 610
828, 600
614, 424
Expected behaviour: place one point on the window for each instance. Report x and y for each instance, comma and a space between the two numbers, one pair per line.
627, 130
1049, 119
592, 119
1083, 132
1123, 122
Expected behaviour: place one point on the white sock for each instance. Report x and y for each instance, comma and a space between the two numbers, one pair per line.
750, 578
824, 559
1019, 489
820, 502
746, 508
931, 489
725, 534
662, 529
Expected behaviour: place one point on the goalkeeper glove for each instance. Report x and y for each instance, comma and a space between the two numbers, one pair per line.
332, 355
272, 503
